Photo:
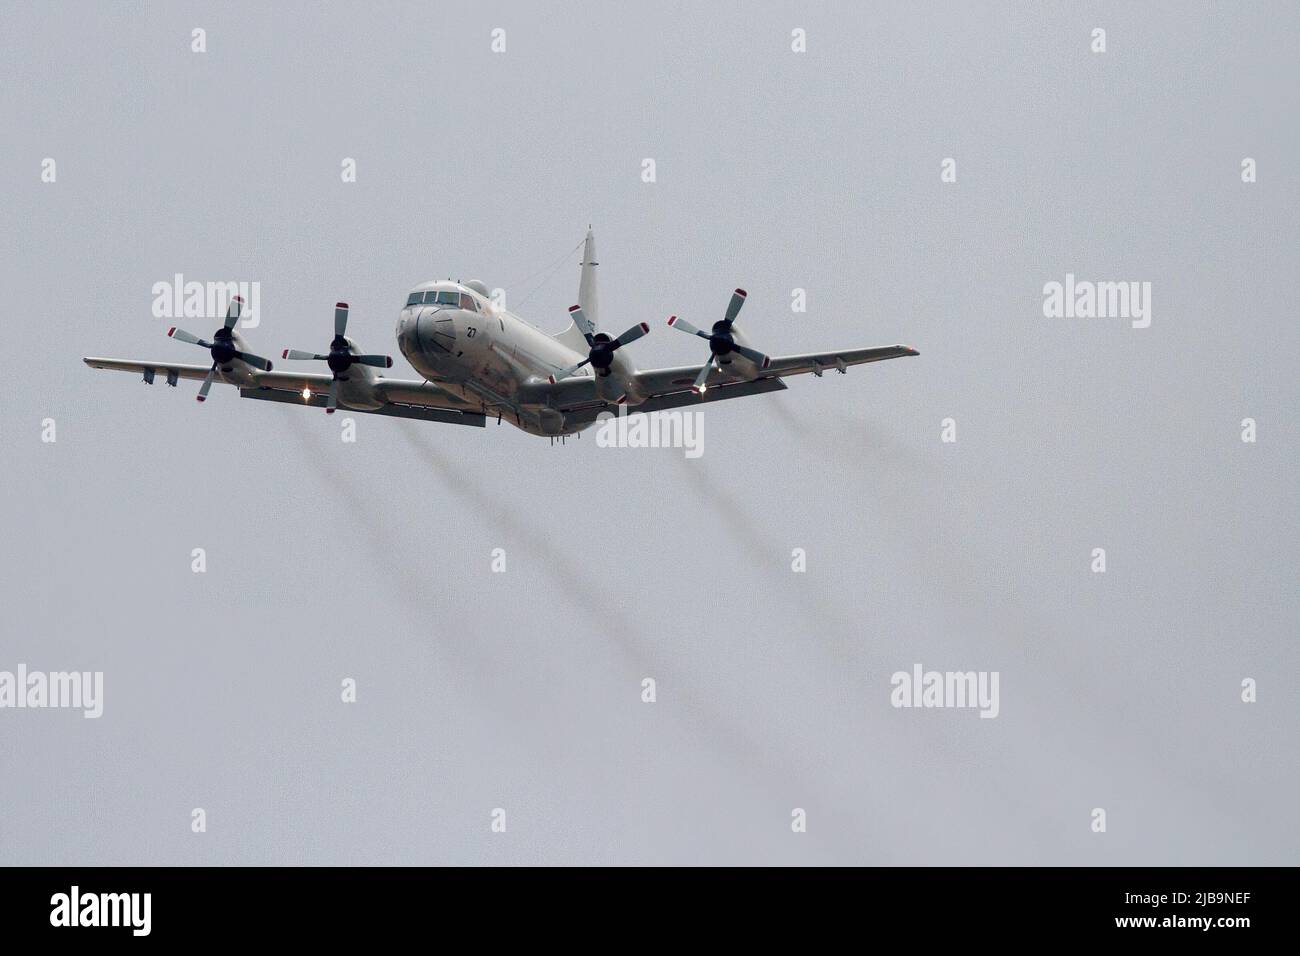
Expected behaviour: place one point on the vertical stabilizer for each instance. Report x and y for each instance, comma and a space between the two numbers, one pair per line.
587, 284
572, 336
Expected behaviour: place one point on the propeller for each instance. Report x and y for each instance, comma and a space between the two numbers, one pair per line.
340, 356
222, 346
721, 340
602, 346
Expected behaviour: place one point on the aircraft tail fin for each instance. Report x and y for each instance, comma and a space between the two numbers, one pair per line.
587, 298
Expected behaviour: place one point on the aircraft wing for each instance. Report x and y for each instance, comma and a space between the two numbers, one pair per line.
403, 399
821, 361
663, 381
738, 388
672, 387
197, 372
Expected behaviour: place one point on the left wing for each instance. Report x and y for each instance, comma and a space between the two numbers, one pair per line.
149, 369
400, 398
428, 413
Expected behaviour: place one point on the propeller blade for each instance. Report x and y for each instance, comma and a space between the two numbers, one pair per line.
754, 355
180, 335
685, 326
332, 402
586, 328
207, 383
340, 318
700, 379
254, 360
568, 371
233, 312
377, 361
733, 307
294, 355
630, 336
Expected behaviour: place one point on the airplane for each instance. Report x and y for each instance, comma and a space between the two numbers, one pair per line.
478, 360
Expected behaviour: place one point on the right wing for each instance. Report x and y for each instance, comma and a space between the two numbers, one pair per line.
575, 397
737, 388
821, 361
666, 381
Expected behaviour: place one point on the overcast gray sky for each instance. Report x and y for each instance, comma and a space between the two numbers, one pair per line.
775, 170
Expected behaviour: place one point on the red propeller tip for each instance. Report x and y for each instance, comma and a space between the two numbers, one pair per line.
329, 411
767, 362
742, 293
201, 398
645, 326
551, 379
672, 319
284, 354
340, 305
574, 308
239, 299
171, 331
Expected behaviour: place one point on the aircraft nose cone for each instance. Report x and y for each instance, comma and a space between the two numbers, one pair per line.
435, 332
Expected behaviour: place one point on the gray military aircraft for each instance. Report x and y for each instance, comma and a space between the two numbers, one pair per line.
479, 360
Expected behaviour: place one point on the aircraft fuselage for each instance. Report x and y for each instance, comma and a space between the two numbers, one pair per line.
485, 354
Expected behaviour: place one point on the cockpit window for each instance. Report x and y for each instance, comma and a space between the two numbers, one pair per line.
450, 297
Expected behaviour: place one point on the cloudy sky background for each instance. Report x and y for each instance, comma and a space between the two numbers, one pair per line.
522, 690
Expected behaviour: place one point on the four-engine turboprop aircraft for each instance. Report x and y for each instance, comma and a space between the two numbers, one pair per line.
478, 360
